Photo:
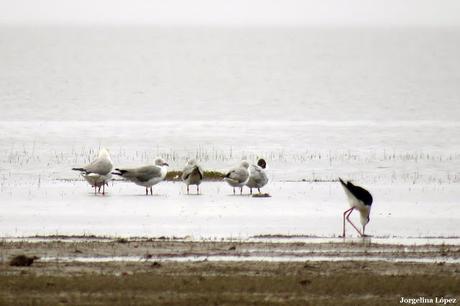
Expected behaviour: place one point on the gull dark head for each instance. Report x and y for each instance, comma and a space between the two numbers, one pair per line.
261, 163
160, 162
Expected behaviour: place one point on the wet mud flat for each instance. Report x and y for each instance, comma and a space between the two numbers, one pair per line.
123, 271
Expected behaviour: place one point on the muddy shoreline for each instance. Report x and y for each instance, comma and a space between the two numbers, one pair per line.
150, 271
166, 248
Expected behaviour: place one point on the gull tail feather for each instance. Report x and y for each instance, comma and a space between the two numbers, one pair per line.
120, 172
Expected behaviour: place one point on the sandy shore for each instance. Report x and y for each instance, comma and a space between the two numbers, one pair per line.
103, 271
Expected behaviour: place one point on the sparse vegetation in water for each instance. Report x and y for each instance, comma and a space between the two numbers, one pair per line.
173, 175
208, 176
213, 175
261, 195
375, 166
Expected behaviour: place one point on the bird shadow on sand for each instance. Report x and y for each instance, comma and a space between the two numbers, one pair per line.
99, 195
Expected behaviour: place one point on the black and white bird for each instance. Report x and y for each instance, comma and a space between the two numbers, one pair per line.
360, 199
192, 175
145, 176
257, 176
98, 172
238, 176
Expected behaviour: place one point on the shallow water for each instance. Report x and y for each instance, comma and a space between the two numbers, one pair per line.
379, 106
402, 214
390, 240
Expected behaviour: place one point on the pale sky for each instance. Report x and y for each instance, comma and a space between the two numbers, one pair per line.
232, 12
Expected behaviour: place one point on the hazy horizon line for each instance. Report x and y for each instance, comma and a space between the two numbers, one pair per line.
226, 26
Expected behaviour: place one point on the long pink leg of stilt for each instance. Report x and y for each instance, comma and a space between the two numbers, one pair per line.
344, 216
354, 226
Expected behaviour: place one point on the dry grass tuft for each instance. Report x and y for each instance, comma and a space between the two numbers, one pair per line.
208, 176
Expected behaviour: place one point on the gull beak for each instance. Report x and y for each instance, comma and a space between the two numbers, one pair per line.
166, 164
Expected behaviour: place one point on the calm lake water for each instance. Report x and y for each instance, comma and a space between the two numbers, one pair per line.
331, 97
377, 105
163, 74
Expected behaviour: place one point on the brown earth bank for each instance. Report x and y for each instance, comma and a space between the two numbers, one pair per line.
154, 278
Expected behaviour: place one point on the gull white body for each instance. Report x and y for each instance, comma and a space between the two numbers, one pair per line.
257, 176
152, 181
97, 180
192, 175
238, 176
98, 172
146, 176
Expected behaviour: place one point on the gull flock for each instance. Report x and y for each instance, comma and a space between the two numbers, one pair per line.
99, 172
